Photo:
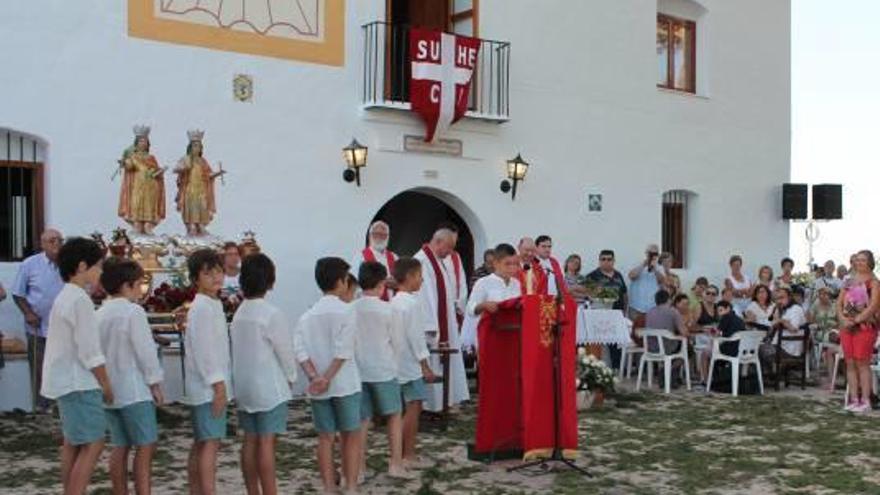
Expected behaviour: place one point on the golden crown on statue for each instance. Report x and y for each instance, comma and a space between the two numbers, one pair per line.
195, 134
141, 130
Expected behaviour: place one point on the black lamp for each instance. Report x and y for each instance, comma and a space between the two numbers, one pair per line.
355, 155
516, 172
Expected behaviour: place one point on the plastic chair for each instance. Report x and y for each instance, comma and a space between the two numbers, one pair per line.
627, 354
838, 356
660, 356
749, 342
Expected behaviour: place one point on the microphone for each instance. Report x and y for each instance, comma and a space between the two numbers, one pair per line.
527, 267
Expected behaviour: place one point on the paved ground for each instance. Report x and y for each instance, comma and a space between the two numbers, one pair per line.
790, 442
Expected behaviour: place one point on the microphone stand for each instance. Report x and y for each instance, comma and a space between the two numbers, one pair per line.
556, 455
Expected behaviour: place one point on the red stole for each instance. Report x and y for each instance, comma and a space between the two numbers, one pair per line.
560, 278
389, 260
442, 314
539, 283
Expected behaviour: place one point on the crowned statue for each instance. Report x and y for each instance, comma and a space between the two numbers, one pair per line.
142, 197
195, 186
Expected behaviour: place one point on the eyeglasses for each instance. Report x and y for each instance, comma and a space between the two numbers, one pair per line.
653, 253
711, 293
606, 258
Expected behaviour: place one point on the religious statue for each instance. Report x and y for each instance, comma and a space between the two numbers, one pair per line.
142, 197
195, 186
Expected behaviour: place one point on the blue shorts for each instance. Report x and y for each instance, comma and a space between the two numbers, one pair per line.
82, 416
205, 425
273, 421
380, 399
337, 413
133, 425
414, 390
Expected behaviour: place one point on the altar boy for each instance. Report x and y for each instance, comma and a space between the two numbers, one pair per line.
73, 370
409, 319
135, 374
376, 358
208, 369
264, 366
324, 348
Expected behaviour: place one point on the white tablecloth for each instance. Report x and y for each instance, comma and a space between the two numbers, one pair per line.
602, 326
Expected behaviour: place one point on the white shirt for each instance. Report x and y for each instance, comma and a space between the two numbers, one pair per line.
324, 333
492, 288
409, 326
73, 347
207, 351
795, 316
131, 353
552, 288
762, 316
375, 342
489, 288
263, 361
740, 303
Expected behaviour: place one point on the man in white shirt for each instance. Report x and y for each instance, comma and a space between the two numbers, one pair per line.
324, 343
377, 250
645, 280
134, 371
439, 299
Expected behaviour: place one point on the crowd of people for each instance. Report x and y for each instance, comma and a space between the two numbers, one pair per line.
834, 307
372, 345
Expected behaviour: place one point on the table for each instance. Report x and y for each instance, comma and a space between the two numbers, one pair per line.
603, 326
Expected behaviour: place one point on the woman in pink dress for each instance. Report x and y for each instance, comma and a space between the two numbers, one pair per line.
856, 309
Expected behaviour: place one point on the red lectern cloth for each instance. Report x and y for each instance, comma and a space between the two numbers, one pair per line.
538, 316
499, 419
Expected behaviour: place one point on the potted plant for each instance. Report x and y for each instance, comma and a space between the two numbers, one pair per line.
594, 379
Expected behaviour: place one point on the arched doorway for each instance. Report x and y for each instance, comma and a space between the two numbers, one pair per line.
414, 216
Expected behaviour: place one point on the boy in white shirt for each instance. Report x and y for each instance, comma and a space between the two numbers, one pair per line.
412, 356
376, 356
264, 367
324, 347
134, 371
208, 369
499, 286
73, 369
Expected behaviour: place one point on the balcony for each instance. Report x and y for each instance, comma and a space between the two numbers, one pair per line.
387, 71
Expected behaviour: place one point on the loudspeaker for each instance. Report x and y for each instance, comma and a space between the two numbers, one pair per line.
827, 202
794, 201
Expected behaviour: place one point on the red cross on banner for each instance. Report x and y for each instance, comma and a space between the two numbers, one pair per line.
442, 68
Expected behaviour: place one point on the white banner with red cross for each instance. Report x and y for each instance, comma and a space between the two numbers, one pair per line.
442, 68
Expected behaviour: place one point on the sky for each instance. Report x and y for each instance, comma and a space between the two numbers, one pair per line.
835, 110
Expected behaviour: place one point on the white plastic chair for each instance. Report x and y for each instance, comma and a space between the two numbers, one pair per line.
660, 356
749, 342
838, 356
626, 356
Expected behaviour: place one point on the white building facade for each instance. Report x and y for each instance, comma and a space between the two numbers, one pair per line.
577, 95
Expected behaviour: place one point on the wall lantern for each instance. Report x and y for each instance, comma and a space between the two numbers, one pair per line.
355, 155
516, 172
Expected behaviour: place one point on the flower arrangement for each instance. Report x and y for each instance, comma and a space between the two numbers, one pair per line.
592, 373
802, 279
167, 297
855, 301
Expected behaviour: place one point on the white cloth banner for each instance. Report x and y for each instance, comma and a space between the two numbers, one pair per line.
603, 326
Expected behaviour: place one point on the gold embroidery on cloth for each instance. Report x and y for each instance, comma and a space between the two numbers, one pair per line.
546, 321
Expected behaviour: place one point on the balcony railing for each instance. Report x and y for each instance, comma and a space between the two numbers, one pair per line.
387, 71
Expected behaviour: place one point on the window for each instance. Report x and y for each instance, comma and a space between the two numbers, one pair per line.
676, 54
675, 223
21, 196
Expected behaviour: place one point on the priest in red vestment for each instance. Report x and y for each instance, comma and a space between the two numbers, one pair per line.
377, 250
550, 266
531, 276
